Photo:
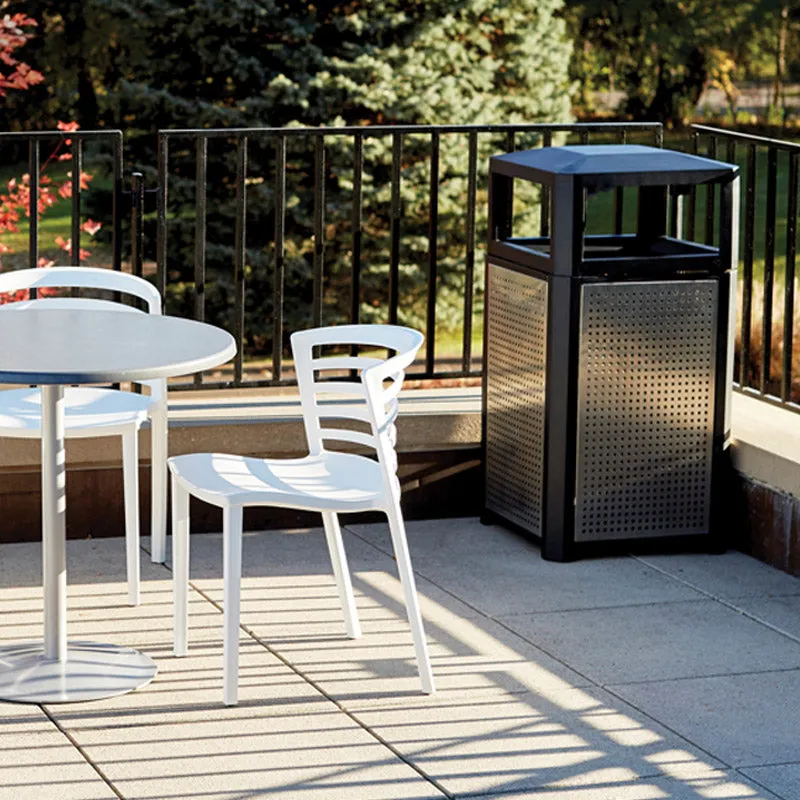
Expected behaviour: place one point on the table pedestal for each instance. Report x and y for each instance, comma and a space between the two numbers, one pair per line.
53, 671
91, 671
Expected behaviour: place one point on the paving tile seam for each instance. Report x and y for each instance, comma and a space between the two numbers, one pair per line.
610, 690
498, 620
681, 737
613, 607
432, 781
314, 685
417, 572
607, 688
769, 764
71, 739
724, 602
710, 676
770, 792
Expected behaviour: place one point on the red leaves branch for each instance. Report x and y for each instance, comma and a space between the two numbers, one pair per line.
20, 76
16, 200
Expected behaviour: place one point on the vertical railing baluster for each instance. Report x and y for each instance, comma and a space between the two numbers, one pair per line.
394, 257
200, 234
511, 146
161, 230
239, 248
75, 227
116, 204
769, 269
201, 227
357, 226
280, 258
676, 214
745, 376
788, 289
469, 274
433, 237
584, 137
544, 221
137, 230
33, 205
319, 227
711, 196
619, 193
730, 151
692, 204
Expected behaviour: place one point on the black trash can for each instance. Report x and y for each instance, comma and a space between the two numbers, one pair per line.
608, 359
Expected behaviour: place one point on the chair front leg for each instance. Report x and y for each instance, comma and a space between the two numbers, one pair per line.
232, 580
158, 474
180, 569
403, 558
130, 478
333, 536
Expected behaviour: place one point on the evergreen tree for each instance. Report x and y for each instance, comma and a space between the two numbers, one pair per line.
283, 62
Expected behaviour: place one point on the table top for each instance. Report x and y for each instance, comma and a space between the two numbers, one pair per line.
56, 346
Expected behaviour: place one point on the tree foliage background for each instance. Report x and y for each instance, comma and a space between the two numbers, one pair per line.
662, 55
168, 64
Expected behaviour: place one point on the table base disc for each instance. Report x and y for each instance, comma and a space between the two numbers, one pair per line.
92, 671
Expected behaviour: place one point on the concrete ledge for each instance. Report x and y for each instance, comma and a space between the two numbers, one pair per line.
266, 425
766, 443
440, 465
439, 435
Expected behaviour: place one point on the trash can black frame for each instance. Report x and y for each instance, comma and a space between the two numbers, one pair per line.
542, 404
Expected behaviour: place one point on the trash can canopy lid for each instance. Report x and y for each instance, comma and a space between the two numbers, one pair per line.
602, 166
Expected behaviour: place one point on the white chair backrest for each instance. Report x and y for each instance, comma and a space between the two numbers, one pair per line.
370, 403
81, 278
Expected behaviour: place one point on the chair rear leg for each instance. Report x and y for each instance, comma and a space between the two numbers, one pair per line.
333, 535
232, 580
158, 474
180, 569
403, 558
130, 477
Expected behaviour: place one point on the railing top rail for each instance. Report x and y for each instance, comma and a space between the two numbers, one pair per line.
384, 130
78, 134
767, 141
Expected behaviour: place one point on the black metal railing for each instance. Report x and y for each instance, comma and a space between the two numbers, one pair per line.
768, 231
52, 140
191, 149
768, 247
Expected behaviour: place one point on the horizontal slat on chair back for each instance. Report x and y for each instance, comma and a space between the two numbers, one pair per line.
82, 278
367, 401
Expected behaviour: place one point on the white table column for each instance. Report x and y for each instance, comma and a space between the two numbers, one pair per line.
54, 533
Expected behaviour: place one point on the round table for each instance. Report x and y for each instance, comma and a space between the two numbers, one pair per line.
53, 348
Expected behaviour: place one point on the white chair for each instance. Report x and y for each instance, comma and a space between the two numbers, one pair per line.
92, 412
325, 480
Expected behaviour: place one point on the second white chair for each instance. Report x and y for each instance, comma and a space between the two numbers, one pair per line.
325, 480
93, 412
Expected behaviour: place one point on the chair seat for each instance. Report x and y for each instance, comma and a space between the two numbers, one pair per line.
87, 411
326, 482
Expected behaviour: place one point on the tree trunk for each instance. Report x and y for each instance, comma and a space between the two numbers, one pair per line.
780, 59
675, 99
74, 32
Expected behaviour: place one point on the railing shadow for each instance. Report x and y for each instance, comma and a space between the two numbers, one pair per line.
507, 717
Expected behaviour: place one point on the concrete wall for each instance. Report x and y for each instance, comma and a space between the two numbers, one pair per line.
440, 467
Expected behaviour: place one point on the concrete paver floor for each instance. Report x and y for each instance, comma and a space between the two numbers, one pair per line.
629, 678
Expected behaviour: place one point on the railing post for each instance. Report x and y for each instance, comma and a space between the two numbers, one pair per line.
161, 232
137, 231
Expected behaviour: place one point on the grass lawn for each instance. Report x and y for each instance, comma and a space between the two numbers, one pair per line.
56, 221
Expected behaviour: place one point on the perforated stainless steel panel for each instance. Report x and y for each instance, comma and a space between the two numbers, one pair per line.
516, 316
645, 409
